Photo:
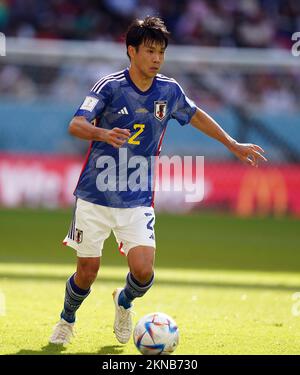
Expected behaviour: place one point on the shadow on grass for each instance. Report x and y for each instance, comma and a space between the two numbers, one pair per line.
173, 283
54, 349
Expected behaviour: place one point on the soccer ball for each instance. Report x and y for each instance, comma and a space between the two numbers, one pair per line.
156, 333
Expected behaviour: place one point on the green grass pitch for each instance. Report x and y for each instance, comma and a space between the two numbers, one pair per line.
229, 283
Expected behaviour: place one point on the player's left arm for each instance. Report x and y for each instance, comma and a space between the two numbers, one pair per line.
247, 152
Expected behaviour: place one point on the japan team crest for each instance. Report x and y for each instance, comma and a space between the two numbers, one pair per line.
160, 109
78, 235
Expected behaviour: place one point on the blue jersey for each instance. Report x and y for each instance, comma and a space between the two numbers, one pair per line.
115, 101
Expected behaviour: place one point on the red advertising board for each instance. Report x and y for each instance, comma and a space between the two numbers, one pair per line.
49, 181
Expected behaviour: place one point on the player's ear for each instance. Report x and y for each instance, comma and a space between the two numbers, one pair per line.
131, 51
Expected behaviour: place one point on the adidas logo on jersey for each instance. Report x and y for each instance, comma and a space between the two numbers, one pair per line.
123, 111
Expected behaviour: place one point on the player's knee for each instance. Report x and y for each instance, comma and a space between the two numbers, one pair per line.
87, 271
144, 275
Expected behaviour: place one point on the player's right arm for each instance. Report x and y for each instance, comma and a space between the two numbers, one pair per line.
80, 127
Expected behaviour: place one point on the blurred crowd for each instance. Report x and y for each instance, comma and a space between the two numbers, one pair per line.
269, 92
243, 23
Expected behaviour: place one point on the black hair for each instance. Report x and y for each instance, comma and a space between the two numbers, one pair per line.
148, 30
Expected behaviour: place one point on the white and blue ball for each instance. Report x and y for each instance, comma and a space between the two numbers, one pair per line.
156, 333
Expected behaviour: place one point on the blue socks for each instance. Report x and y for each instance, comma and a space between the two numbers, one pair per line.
132, 290
74, 296
124, 300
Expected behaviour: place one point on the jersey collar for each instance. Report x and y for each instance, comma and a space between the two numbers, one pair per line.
129, 80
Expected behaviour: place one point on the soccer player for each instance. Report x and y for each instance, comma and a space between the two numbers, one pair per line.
125, 116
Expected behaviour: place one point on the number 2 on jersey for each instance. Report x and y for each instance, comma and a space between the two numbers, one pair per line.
140, 128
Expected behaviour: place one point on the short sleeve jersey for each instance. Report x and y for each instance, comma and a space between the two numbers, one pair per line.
108, 175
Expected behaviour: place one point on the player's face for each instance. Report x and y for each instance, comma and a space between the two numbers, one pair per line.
148, 58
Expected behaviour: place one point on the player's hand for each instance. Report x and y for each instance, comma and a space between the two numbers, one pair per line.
248, 153
116, 137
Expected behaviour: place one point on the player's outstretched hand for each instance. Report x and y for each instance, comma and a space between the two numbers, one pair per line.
116, 137
248, 153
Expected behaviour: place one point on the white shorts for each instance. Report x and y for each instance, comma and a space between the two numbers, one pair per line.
92, 225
